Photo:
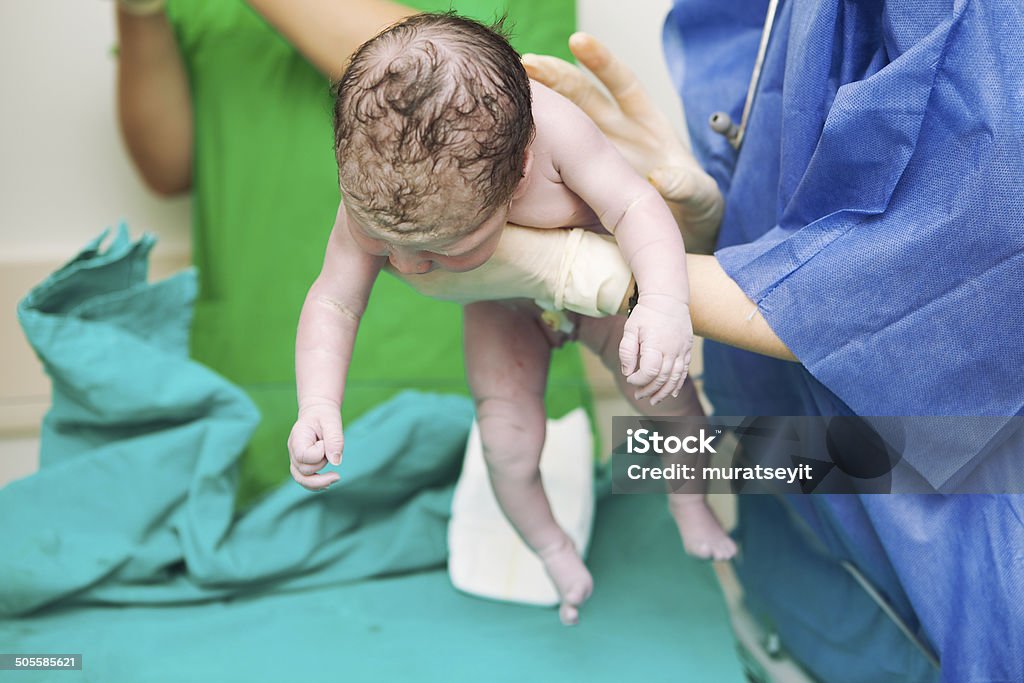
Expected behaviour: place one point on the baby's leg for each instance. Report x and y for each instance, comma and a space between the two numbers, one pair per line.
702, 535
507, 357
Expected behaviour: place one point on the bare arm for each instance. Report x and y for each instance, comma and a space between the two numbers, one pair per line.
153, 102
658, 336
330, 318
326, 32
323, 350
640, 131
628, 206
721, 311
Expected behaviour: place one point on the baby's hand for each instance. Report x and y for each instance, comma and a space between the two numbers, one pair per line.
316, 439
655, 347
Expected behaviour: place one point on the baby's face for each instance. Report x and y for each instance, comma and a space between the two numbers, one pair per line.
459, 254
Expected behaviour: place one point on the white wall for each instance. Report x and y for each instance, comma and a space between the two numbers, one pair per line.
633, 32
64, 175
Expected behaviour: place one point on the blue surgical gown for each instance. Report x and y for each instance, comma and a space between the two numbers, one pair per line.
875, 214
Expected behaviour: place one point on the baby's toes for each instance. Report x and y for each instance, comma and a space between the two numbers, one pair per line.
568, 614
574, 596
724, 549
570, 576
702, 550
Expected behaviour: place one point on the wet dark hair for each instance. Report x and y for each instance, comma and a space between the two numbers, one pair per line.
431, 114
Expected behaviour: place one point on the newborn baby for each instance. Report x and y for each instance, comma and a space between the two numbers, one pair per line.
441, 140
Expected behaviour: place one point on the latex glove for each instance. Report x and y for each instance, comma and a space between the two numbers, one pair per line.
315, 440
656, 344
640, 131
573, 270
141, 7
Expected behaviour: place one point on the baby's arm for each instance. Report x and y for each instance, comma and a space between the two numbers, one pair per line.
323, 349
658, 337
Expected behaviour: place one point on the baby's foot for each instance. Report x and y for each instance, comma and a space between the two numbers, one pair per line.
566, 569
703, 536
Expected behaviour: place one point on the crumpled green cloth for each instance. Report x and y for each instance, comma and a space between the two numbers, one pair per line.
134, 499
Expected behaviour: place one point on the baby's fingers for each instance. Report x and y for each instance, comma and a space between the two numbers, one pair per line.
302, 436
629, 351
683, 373
311, 454
651, 361
659, 381
314, 482
676, 377
311, 459
330, 427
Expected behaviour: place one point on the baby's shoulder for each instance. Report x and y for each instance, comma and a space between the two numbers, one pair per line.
558, 120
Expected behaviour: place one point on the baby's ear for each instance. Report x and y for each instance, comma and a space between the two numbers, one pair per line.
527, 165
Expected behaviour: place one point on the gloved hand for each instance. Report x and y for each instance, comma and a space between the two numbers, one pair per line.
315, 440
640, 131
141, 7
575, 270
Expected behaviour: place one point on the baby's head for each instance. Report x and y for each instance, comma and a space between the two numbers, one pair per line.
432, 123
